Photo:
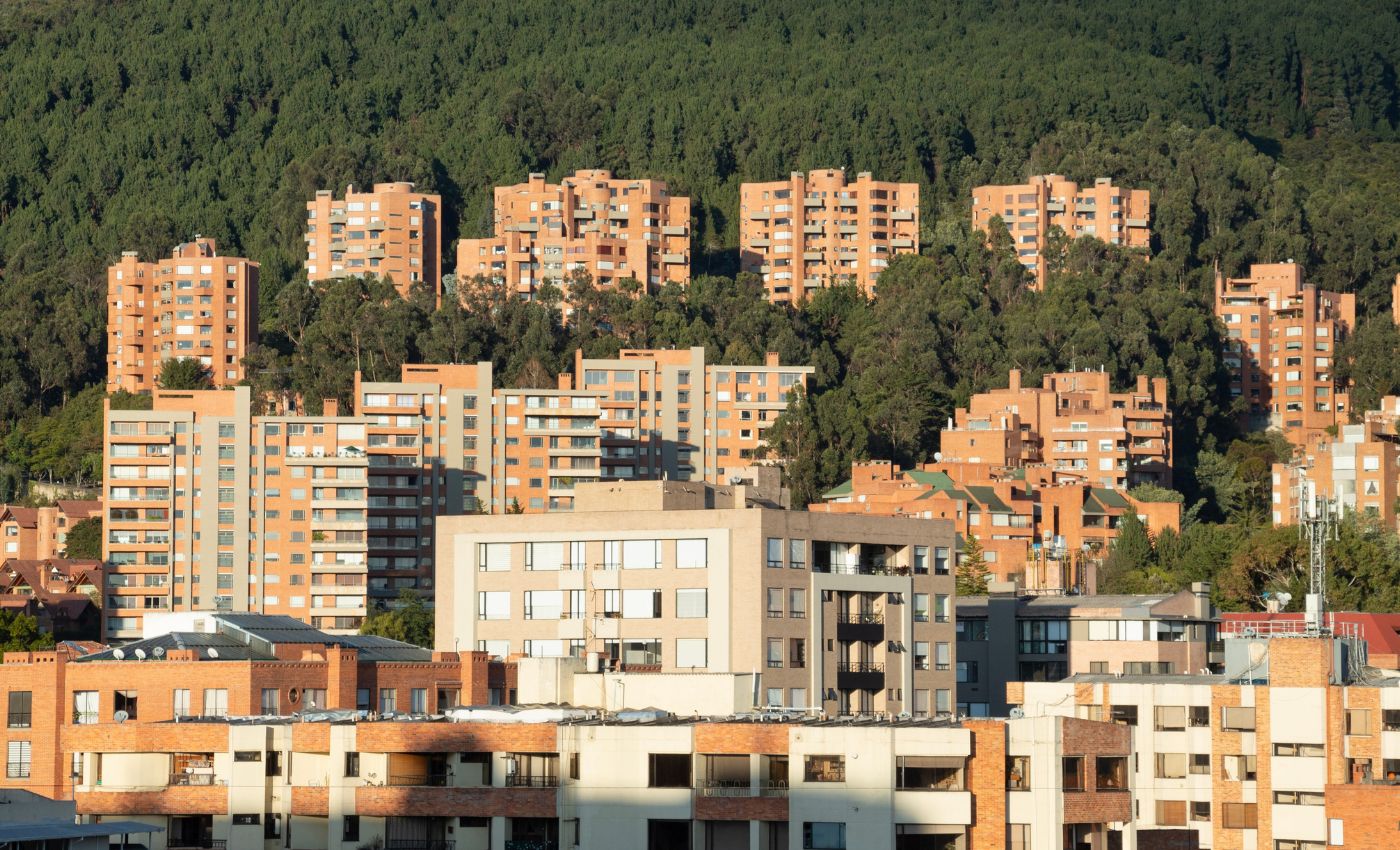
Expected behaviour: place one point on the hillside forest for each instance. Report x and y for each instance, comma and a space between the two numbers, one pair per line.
1261, 137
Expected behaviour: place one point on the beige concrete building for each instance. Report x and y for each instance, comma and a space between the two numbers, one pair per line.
848, 614
1282, 338
192, 304
210, 507
612, 228
804, 233
569, 778
1029, 210
390, 231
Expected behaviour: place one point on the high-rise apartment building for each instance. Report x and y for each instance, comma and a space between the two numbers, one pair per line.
192, 304
611, 228
1029, 210
848, 614
211, 507
1073, 424
390, 231
1283, 337
806, 232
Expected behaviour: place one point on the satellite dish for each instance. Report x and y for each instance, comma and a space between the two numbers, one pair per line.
211, 652
121, 716
158, 652
1017, 713
938, 456
1284, 599
140, 654
118, 654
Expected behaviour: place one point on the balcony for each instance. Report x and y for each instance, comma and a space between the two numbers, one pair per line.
860, 627
673, 259
860, 676
521, 780
901, 215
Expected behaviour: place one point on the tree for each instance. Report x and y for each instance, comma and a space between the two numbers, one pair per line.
410, 621
84, 539
972, 573
20, 632
1129, 559
184, 373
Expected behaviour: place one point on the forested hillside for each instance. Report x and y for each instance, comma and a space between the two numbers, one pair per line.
1262, 137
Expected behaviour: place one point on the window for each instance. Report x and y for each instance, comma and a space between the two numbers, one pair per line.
17, 760
1199, 715
274, 763
797, 653
418, 700
269, 701
640, 555
247, 755
1200, 810
1072, 773
21, 709
350, 828
797, 603
942, 656
967, 672
1124, 715
493, 557
691, 652
1171, 765
641, 604
691, 554
775, 652
85, 707
1237, 719
1238, 768
1171, 813
1239, 816
929, 773
1043, 637
493, 605
1018, 836
352, 764
669, 770
1299, 798
544, 556
182, 702
967, 630
692, 602
1200, 764
1358, 721
1018, 773
1170, 718
775, 552
215, 702
1111, 773
388, 700
1304, 750
125, 701
825, 769
823, 835
775, 603
797, 554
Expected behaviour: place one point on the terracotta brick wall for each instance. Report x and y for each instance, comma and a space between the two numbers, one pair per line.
386, 801
148, 738
1299, 662
456, 738
1095, 740
741, 808
1222, 744
312, 802
1370, 815
741, 738
179, 800
986, 779
311, 737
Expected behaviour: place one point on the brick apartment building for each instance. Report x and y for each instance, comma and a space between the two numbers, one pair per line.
211, 507
1029, 210
563, 777
848, 614
612, 228
441, 441
1074, 424
1294, 746
1282, 338
219, 666
192, 304
1046, 536
806, 232
39, 533
390, 231
1358, 468
1006, 637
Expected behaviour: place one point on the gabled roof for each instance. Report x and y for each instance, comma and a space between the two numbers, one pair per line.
988, 498
1101, 501
842, 489
80, 508
27, 517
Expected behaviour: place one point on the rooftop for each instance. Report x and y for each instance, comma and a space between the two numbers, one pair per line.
252, 637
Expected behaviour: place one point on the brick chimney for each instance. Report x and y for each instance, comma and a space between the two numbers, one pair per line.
330, 407
342, 676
